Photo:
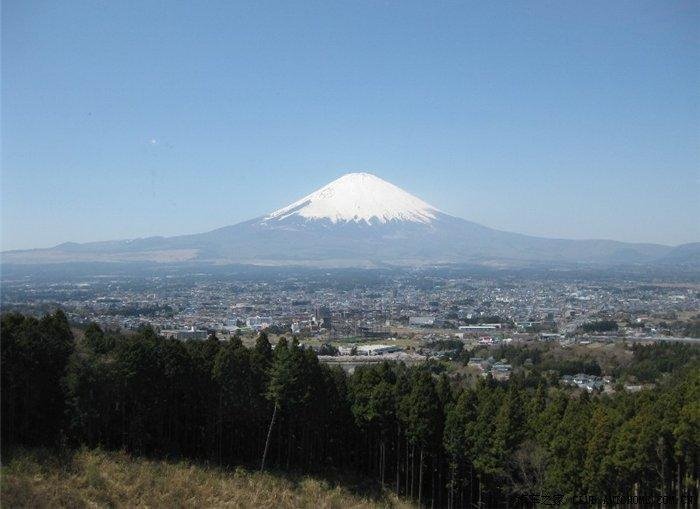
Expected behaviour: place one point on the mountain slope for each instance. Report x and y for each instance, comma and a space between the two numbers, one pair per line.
356, 220
358, 197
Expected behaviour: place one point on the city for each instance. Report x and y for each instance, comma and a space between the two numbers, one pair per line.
353, 317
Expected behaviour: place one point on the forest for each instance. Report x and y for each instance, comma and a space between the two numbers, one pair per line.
423, 435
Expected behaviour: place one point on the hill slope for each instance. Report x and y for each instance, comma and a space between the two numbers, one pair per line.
101, 479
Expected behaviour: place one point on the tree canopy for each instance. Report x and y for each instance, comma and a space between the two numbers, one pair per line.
424, 435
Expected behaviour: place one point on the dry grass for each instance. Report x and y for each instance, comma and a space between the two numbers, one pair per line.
89, 478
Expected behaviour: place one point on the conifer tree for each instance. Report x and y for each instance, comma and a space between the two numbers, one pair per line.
282, 388
422, 418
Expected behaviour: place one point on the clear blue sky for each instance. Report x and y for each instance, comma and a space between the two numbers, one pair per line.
563, 119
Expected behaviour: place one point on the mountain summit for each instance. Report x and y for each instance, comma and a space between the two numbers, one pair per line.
360, 220
358, 197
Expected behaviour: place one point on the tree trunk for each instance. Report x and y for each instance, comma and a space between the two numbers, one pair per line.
453, 475
381, 462
406, 471
432, 485
478, 480
420, 477
267, 441
398, 459
220, 417
678, 484
471, 484
413, 455
441, 491
289, 446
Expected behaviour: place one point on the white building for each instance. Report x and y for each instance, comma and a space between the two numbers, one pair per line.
480, 328
258, 323
421, 320
377, 349
184, 334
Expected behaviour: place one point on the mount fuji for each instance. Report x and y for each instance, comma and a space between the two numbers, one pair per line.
358, 220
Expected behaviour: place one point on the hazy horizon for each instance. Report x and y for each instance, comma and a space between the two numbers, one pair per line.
561, 121
261, 215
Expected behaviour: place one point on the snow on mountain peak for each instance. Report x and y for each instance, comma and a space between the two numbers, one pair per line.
359, 197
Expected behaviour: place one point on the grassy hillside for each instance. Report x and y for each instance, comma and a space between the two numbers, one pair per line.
37, 478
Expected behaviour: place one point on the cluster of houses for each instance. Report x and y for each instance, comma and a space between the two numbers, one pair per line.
490, 340
591, 383
184, 334
499, 370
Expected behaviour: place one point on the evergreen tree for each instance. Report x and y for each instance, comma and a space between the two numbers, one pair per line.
423, 418
446, 445
283, 389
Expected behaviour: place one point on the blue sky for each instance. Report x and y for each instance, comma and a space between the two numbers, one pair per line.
561, 119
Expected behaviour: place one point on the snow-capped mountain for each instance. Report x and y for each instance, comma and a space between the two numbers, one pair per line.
358, 197
359, 220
